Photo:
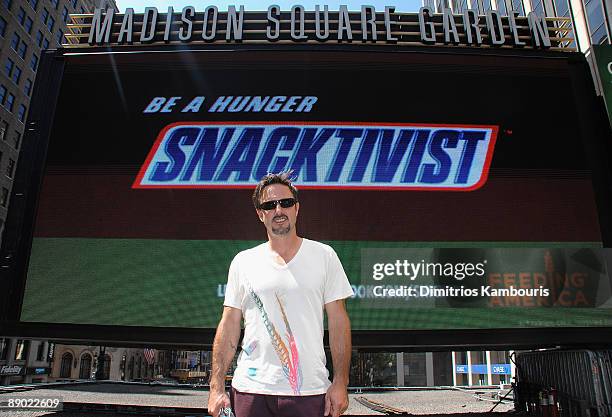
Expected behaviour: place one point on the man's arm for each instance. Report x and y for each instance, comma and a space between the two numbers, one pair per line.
224, 349
339, 326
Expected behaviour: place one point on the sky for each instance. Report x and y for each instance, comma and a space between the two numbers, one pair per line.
256, 5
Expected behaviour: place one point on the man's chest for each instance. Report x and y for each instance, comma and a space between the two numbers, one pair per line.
292, 283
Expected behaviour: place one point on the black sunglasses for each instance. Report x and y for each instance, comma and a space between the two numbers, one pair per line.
284, 203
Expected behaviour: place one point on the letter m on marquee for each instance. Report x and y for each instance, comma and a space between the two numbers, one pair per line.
101, 30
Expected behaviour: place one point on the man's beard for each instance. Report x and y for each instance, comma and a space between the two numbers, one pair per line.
281, 229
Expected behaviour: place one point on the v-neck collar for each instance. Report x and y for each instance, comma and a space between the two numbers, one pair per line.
286, 264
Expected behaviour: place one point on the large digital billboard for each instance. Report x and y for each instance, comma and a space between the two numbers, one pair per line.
460, 191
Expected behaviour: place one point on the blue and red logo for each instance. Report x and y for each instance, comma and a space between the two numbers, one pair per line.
321, 154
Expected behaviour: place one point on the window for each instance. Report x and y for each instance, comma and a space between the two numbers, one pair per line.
459, 5
4, 197
17, 139
10, 169
16, 75
85, 368
44, 15
2, 26
50, 24
8, 67
561, 8
594, 14
4, 347
33, 3
518, 6
65, 15
82, 10
7, 4
45, 44
21, 350
107, 363
74, 3
442, 4
39, 38
54, 3
21, 15
10, 101
593, 9
538, 7
27, 87
66, 365
3, 129
40, 352
600, 36
2, 93
34, 62
60, 37
23, 49
15, 41
21, 113
28, 24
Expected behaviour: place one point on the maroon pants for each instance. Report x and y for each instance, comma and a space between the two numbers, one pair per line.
245, 404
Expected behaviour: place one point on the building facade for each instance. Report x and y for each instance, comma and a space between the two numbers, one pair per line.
80, 362
25, 361
26, 29
431, 369
477, 368
33, 361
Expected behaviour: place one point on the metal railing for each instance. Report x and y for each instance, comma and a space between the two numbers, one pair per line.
565, 383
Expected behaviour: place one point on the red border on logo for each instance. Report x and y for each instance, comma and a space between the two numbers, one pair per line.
483, 177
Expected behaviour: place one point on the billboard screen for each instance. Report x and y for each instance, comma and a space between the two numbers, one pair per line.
456, 191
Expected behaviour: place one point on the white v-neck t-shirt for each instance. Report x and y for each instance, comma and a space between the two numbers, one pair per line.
282, 306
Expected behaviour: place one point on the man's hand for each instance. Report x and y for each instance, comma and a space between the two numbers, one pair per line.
336, 400
216, 401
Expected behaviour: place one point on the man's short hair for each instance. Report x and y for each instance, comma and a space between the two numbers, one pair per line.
284, 178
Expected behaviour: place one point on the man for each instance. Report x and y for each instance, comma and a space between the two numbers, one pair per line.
281, 288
